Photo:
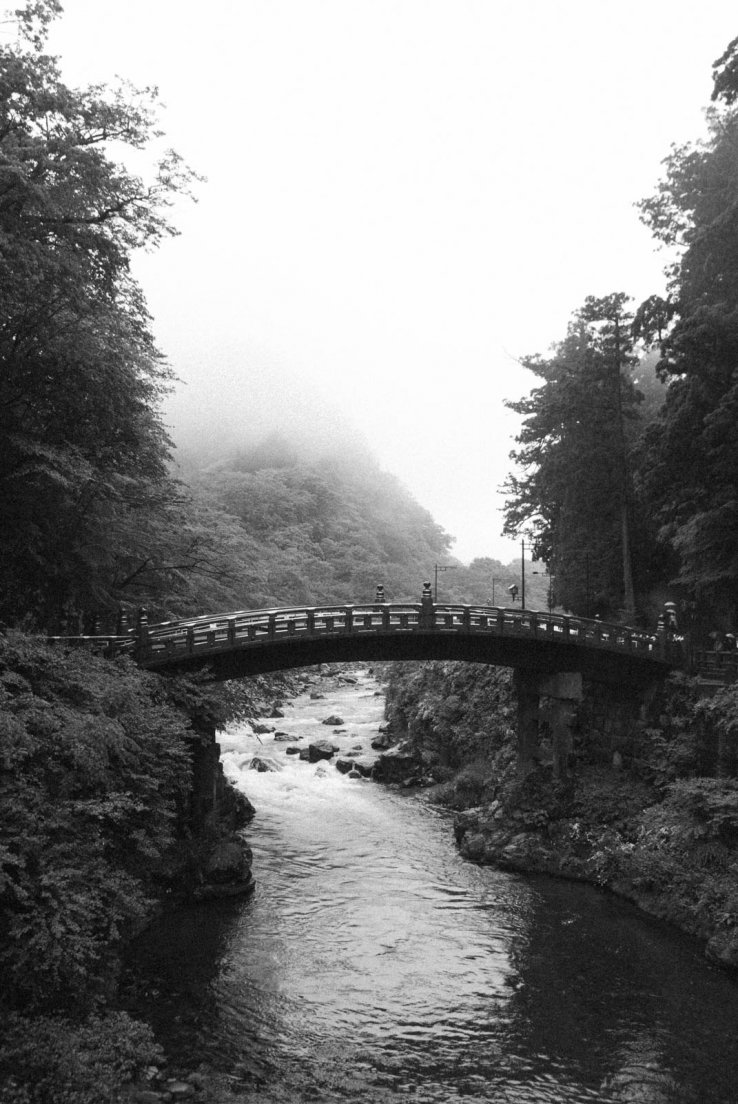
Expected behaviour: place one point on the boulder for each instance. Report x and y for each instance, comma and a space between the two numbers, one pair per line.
276, 712
395, 766
321, 749
292, 751
383, 740
333, 720
305, 754
262, 729
345, 765
263, 765
284, 737
315, 695
363, 766
229, 861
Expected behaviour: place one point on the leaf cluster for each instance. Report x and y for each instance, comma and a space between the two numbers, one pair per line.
93, 771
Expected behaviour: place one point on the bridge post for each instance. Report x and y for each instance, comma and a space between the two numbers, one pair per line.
142, 632
526, 687
427, 616
564, 691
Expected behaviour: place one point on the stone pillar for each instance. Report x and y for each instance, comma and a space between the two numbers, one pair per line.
206, 772
565, 691
526, 687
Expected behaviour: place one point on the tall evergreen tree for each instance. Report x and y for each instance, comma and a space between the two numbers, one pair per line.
691, 462
573, 489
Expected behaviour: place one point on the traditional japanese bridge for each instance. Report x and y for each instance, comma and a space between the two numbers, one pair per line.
552, 655
251, 642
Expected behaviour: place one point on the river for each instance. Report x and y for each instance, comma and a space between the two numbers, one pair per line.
371, 963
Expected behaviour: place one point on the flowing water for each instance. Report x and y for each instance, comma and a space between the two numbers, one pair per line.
371, 963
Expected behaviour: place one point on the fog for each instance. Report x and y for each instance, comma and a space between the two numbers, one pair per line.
402, 198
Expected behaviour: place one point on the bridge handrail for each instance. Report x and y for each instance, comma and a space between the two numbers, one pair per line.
162, 641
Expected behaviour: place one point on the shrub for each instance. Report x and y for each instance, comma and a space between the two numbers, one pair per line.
53, 1060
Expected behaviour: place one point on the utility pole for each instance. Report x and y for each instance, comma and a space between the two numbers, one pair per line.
441, 567
522, 574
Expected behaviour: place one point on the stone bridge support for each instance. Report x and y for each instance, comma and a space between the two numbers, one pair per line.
547, 701
207, 773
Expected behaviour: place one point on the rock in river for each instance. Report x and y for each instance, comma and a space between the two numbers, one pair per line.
262, 764
321, 749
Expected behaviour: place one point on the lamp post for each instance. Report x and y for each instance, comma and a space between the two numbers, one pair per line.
441, 567
550, 588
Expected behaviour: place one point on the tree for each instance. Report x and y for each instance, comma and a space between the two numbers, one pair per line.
690, 470
80, 376
575, 492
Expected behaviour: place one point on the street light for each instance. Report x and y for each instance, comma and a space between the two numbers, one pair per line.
441, 567
550, 596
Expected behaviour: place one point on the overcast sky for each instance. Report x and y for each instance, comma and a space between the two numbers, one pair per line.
402, 197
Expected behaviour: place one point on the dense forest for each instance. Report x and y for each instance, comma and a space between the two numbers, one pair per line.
98, 513
647, 393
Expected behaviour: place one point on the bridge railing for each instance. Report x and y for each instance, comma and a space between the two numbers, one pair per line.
161, 643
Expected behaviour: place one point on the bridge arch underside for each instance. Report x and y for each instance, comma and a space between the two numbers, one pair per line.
536, 656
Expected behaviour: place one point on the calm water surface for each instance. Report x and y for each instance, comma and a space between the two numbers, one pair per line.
372, 963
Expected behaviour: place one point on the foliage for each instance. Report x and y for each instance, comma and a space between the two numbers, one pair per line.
84, 452
689, 465
574, 493
322, 529
93, 770
53, 1060
452, 713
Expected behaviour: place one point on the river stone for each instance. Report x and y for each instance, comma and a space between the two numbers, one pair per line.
344, 765
315, 695
262, 729
292, 750
229, 861
262, 764
179, 1088
354, 774
284, 737
276, 712
473, 847
383, 740
363, 766
394, 766
304, 754
321, 749
334, 720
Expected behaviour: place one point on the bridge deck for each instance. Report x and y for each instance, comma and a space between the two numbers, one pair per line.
250, 641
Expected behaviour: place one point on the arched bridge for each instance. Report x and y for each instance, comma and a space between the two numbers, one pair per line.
257, 641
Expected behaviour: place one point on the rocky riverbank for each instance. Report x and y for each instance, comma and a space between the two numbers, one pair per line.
656, 827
